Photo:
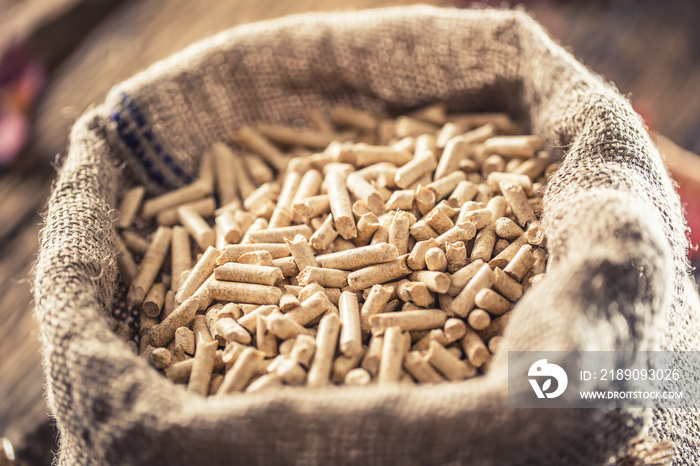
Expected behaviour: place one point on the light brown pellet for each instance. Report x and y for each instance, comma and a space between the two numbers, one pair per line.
246, 273
521, 263
257, 143
149, 267
332, 278
391, 361
408, 320
326, 340
163, 333
129, 206
256, 258
464, 302
350, 337
232, 252
456, 256
341, 207
377, 298
312, 207
310, 309
244, 292
448, 364
507, 285
436, 260
479, 319
153, 303
490, 301
515, 196
513, 146
285, 328
416, 365
366, 227
508, 229
474, 348
438, 282
414, 170
202, 368
180, 196
380, 273
200, 272
357, 376
508, 253
359, 257
303, 350
484, 242
242, 371
197, 227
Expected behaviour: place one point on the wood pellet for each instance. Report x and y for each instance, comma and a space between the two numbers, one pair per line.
357, 250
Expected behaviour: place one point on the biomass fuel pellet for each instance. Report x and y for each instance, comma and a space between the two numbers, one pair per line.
389, 251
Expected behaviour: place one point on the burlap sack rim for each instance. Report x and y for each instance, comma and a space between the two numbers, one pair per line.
102, 113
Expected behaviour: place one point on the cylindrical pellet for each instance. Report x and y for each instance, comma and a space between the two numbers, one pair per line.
438, 282
197, 227
513, 146
174, 198
392, 355
246, 273
380, 273
230, 330
436, 260
181, 259
325, 277
149, 267
357, 376
244, 292
341, 207
326, 340
425, 319
413, 170
282, 215
508, 253
285, 328
363, 190
448, 364
200, 272
163, 333
257, 143
359, 257
490, 301
130, 204
324, 235
303, 350
508, 229
351, 336
257, 258
202, 368
521, 263
245, 367
464, 302
474, 348
518, 203
154, 300
302, 252
310, 309
483, 243
312, 207
478, 319
279, 235
265, 340
418, 367
456, 150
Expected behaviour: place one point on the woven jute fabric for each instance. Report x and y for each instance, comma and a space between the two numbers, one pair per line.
619, 277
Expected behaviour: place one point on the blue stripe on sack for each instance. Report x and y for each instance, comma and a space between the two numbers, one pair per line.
139, 141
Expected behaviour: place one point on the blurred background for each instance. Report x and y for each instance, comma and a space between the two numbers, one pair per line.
58, 57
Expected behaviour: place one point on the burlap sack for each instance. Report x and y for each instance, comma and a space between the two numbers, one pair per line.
615, 226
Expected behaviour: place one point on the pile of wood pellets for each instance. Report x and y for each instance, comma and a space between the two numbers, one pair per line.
353, 251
